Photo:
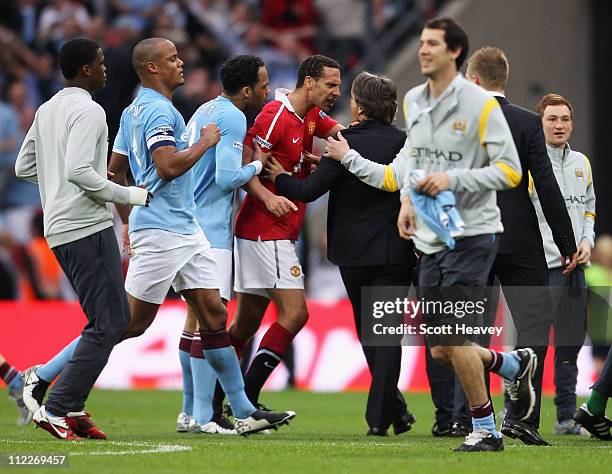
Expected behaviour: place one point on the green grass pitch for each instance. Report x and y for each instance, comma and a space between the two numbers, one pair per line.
327, 436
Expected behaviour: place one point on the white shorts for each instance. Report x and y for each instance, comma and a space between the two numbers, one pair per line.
266, 264
223, 259
161, 258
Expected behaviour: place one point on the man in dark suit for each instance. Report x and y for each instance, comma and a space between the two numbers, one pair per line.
362, 235
520, 261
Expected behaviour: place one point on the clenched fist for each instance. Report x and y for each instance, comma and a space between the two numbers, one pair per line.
210, 134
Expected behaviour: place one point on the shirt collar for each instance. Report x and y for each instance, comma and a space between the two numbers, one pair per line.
281, 95
427, 107
424, 95
450, 90
497, 94
558, 153
76, 90
153, 91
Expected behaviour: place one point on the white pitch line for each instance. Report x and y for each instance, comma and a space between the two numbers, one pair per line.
152, 447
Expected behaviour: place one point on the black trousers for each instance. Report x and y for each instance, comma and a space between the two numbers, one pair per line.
524, 281
385, 401
531, 314
93, 267
569, 299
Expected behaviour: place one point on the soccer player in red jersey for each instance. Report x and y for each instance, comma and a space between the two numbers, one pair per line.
267, 225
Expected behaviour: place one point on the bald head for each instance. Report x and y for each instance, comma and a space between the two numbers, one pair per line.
148, 50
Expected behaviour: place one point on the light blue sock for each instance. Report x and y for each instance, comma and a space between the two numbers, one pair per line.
487, 423
204, 380
185, 359
16, 383
510, 366
225, 363
51, 369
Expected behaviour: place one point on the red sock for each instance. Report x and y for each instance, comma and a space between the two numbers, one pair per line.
271, 351
196, 347
237, 343
277, 339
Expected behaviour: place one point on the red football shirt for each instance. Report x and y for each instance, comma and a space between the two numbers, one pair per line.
280, 130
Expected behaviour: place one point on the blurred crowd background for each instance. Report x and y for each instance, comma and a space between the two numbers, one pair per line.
359, 34
206, 32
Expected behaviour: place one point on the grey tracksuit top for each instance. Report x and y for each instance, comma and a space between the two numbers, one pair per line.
463, 133
64, 152
573, 172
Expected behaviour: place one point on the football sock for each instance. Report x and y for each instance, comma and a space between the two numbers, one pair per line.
237, 343
219, 395
271, 351
11, 376
505, 364
185, 359
482, 418
222, 358
203, 379
596, 403
51, 369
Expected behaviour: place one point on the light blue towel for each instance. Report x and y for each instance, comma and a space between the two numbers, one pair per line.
438, 213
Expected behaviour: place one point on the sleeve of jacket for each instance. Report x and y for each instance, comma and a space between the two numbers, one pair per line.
25, 165
86, 127
311, 187
588, 223
504, 169
384, 177
551, 199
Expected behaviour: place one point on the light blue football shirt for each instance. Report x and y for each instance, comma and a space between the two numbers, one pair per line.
149, 122
219, 172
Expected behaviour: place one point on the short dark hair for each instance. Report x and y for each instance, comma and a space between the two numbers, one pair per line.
454, 35
554, 99
491, 66
376, 95
313, 66
75, 54
240, 71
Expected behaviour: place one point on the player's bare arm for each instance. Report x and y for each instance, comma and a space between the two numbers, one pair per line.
334, 130
277, 205
274, 168
406, 220
117, 169
171, 163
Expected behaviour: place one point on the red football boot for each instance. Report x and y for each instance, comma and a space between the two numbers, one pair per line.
56, 425
82, 424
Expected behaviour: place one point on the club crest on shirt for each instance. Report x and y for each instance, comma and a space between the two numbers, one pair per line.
459, 127
295, 271
579, 174
311, 127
